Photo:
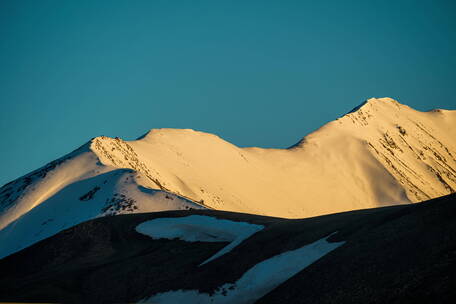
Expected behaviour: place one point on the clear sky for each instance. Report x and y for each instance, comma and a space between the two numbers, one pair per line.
257, 73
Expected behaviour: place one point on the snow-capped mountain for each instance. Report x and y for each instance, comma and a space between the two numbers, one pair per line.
381, 153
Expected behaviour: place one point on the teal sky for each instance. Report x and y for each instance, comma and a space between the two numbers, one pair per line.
257, 73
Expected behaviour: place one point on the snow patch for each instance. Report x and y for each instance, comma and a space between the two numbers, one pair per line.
257, 281
199, 228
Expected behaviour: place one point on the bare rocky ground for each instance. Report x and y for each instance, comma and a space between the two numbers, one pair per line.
401, 254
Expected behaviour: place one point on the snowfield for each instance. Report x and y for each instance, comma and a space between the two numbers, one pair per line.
257, 281
199, 228
382, 153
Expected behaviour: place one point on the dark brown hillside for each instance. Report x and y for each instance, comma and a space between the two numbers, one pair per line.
395, 254
409, 257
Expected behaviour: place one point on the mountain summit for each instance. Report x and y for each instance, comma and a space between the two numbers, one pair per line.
381, 153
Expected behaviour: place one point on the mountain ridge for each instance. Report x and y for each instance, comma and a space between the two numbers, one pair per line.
382, 154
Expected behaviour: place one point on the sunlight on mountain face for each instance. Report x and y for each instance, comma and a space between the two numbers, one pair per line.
381, 153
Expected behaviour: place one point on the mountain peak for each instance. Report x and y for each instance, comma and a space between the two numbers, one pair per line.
375, 102
166, 131
383, 153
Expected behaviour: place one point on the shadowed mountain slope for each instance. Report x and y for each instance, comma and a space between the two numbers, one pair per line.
400, 254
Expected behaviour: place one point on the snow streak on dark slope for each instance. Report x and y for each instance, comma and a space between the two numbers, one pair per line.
400, 254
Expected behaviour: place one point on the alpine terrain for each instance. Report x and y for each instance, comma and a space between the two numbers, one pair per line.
381, 153
398, 254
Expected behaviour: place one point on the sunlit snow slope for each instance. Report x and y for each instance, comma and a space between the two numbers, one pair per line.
381, 153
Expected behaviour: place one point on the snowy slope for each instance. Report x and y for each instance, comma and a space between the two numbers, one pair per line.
70, 190
381, 153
